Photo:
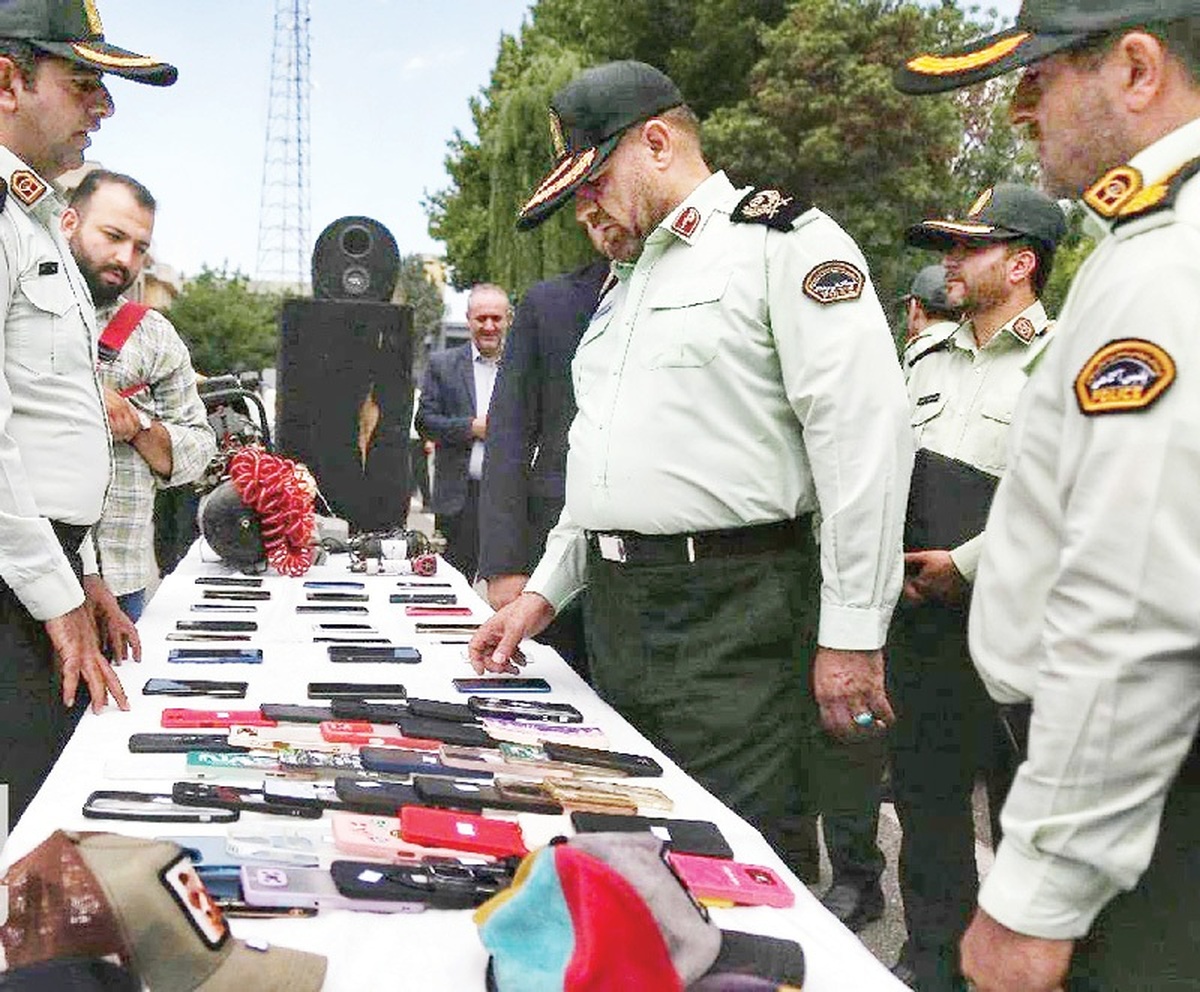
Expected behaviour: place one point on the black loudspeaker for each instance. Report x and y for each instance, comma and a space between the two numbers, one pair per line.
344, 404
355, 258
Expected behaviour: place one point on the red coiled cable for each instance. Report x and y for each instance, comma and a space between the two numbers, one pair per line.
281, 492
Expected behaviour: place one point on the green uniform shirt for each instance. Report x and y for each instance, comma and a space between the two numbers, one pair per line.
714, 391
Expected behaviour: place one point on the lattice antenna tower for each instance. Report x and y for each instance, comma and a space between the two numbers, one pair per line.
284, 249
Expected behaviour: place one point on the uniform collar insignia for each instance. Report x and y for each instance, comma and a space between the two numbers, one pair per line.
27, 186
1113, 190
1023, 328
686, 223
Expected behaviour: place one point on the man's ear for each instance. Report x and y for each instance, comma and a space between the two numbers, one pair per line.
69, 221
10, 79
1144, 63
1024, 263
658, 138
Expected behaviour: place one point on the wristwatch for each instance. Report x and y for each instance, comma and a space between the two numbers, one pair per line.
145, 422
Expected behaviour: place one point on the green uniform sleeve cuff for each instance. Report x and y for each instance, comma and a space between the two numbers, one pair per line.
51, 595
1042, 895
853, 628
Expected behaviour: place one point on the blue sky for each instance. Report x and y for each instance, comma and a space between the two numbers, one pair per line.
390, 83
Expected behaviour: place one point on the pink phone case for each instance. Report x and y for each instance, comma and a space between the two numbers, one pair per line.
183, 718
363, 734
378, 837
437, 611
742, 884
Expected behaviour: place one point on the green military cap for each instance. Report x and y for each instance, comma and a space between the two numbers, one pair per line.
1002, 212
587, 118
1043, 27
71, 29
929, 289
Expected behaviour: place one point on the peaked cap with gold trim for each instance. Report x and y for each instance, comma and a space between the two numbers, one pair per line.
1043, 27
587, 118
71, 29
1000, 213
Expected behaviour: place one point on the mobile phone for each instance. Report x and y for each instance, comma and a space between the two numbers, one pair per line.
371, 795
607, 797
431, 598
329, 627
182, 718
371, 835
524, 709
237, 594
350, 653
320, 795
438, 884
711, 879
224, 608
352, 708
277, 843
213, 656
424, 627
355, 690
502, 762
353, 639
179, 743
686, 836
220, 881
194, 687
435, 709
292, 713
203, 849
438, 611
217, 766
452, 793
325, 764
107, 804
228, 626
396, 761
461, 831
338, 597
500, 683
271, 885
234, 798
330, 608
472, 735
417, 584
530, 732
633, 765
283, 738
334, 584
244, 581
204, 635
361, 734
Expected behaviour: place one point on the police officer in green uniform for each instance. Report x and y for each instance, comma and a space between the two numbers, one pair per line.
738, 467
927, 312
1085, 599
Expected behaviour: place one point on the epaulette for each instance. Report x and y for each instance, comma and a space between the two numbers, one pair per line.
942, 345
772, 207
1120, 195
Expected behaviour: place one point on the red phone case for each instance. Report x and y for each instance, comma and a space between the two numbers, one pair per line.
365, 734
437, 611
182, 718
741, 884
461, 831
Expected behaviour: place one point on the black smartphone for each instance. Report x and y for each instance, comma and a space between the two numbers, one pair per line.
538, 711
398, 654
357, 708
633, 765
414, 584
224, 608
435, 709
330, 608
352, 639
425, 627
500, 684
245, 581
318, 795
340, 597
204, 635
236, 626
237, 594
194, 687
347, 584
151, 807
685, 836
244, 656
445, 731
346, 625
440, 884
172, 743
355, 690
235, 798
454, 793
293, 713
370, 795
429, 598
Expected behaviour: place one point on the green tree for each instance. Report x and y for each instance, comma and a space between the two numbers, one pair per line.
415, 289
226, 326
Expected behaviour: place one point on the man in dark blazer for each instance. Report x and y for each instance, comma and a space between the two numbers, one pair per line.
524, 473
453, 414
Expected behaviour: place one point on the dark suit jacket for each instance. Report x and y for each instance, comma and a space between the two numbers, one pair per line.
533, 404
444, 416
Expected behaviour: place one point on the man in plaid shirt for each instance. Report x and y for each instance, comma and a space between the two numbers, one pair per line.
161, 436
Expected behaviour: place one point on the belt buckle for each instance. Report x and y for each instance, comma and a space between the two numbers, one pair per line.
612, 547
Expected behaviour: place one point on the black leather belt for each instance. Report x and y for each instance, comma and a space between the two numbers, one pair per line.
631, 548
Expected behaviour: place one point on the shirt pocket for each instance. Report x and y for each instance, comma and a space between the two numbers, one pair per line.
36, 322
686, 321
926, 411
589, 364
995, 418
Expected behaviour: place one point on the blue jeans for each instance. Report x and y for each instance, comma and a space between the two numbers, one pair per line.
132, 604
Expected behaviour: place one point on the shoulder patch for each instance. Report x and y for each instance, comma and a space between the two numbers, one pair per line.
833, 282
1124, 375
1113, 190
772, 207
1121, 195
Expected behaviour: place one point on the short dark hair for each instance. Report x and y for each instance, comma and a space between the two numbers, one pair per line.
97, 178
25, 56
